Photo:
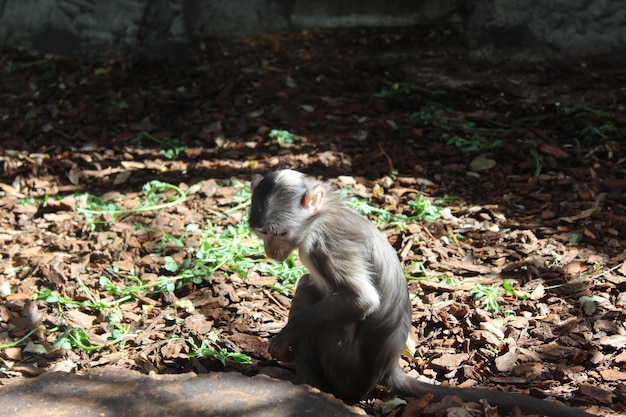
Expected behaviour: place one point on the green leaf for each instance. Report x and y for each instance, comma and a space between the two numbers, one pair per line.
170, 264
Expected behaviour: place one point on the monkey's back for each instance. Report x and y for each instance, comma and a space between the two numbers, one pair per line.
363, 255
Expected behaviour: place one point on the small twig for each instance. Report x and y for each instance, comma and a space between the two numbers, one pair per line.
273, 299
389, 161
607, 271
407, 245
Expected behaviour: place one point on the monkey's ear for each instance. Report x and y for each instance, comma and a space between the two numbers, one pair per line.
256, 179
313, 198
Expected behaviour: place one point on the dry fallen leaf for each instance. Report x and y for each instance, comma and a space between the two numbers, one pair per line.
613, 375
617, 341
11, 190
575, 267
79, 319
538, 293
450, 361
583, 214
482, 164
506, 362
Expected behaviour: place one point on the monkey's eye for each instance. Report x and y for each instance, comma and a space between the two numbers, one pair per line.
268, 232
262, 232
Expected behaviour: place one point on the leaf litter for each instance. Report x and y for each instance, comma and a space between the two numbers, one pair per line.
479, 174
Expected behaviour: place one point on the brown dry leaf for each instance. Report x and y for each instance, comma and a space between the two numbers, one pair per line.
58, 217
529, 370
346, 181
617, 341
613, 375
583, 214
31, 252
506, 362
225, 290
491, 327
124, 265
66, 204
34, 315
209, 188
538, 293
133, 165
249, 343
255, 279
553, 150
621, 357
596, 394
79, 319
12, 353
459, 412
589, 307
458, 265
575, 267
553, 352
486, 338
482, 164
175, 349
122, 177
10, 190
53, 274
28, 369
440, 408
450, 361
198, 324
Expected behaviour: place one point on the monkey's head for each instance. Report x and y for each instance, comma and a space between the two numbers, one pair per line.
282, 203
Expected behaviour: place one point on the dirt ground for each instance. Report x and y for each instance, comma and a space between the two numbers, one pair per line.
526, 162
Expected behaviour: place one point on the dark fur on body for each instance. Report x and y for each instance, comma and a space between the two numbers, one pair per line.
351, 315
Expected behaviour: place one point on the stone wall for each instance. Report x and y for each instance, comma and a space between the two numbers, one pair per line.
562, 27
74, 27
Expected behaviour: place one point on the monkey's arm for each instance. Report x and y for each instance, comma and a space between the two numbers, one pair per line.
338, 292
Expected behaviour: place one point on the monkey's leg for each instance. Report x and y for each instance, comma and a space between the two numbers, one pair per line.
331, 362
306, 295
329, 359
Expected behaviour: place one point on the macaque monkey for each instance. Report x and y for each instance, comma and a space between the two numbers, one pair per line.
351, 314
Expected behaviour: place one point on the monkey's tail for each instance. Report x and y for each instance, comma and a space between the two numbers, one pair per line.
406, 385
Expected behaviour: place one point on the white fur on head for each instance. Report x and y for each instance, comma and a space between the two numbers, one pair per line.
289, 177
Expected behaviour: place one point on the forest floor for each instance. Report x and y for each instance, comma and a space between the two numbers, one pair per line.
124, 190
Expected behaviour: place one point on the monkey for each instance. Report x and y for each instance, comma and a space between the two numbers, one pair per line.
351, 313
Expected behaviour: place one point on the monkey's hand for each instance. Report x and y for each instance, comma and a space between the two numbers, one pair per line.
280, 348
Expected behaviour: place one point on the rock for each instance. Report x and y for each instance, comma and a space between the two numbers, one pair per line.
125, 393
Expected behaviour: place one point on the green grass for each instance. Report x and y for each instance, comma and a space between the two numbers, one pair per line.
224, 245
489, 297
423, 211
536, 160
209, 348
436, 114
287, 273
157, 195
171, 148
474, 142
419, 272
282, 136
573, 108
601, 131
